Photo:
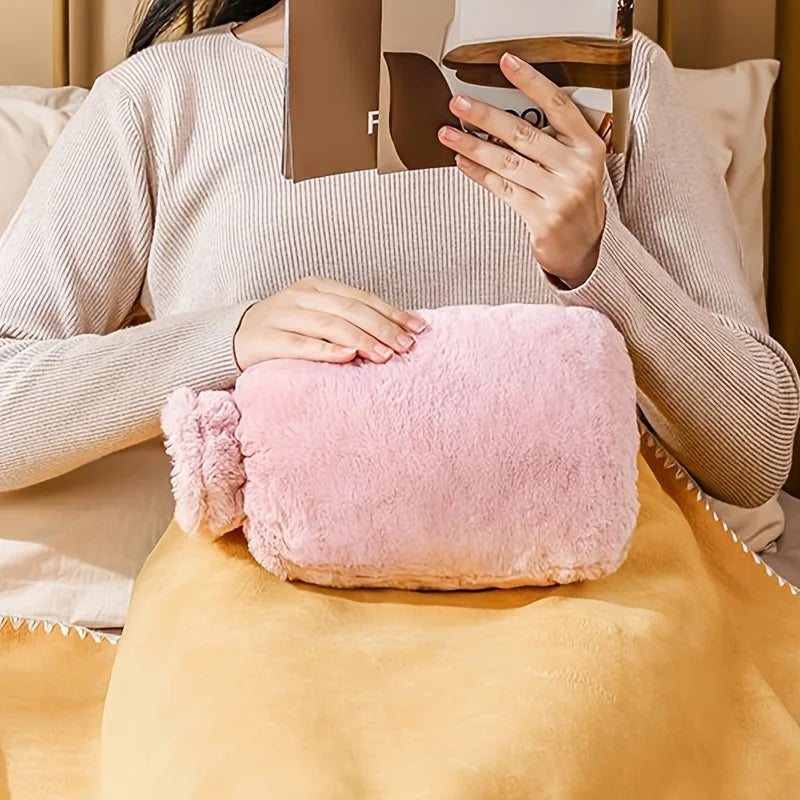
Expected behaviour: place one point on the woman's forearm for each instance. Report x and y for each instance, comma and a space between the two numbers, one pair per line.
66, 402
721, 395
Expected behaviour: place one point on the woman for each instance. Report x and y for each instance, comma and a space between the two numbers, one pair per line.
165, 189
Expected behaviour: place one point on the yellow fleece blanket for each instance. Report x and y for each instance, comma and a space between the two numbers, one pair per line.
675, 678
53, 682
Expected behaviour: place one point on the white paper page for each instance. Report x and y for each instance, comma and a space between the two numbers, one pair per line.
514, 100
482, 21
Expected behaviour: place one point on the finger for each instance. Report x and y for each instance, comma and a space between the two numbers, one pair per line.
521, 200
517, 133
506, 163
331, 328
360, 316
561, 111
409, 321
283, 344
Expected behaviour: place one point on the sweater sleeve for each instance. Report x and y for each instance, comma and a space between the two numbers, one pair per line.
721, 394
73, 385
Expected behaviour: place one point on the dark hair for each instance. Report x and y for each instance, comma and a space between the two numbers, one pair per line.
157, 18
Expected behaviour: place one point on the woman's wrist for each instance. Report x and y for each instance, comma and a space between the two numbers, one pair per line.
235, 341
567, 280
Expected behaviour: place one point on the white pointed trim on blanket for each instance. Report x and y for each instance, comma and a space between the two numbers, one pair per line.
17, 622
32, 624
681, 473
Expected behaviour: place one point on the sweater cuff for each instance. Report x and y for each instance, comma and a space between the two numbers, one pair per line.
202, 347
608, 288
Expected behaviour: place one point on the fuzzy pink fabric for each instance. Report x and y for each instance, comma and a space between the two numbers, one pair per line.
207, 472
500, 452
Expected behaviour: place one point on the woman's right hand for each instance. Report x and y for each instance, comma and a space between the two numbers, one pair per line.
317, 319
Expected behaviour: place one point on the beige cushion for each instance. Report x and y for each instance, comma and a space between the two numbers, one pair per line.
732, 105
71, 547
30, 121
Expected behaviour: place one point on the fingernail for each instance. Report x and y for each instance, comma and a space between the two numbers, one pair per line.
417, 325
405, 341
384, 352
461, 103
511, 62
450, 134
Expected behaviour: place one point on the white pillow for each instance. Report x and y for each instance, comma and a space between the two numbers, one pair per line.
71, 547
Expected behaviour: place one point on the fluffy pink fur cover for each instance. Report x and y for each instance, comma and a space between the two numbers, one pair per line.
500, 452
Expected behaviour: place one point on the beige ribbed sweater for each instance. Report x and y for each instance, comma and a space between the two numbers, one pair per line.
166, 187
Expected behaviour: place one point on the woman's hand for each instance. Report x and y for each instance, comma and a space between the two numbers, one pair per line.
323, 320
554, 183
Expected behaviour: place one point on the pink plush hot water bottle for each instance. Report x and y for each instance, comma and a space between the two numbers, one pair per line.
500, 452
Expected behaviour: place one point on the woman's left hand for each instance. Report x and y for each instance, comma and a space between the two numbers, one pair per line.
554, 183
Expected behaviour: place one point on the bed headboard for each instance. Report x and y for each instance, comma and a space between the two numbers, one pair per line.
55, 42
